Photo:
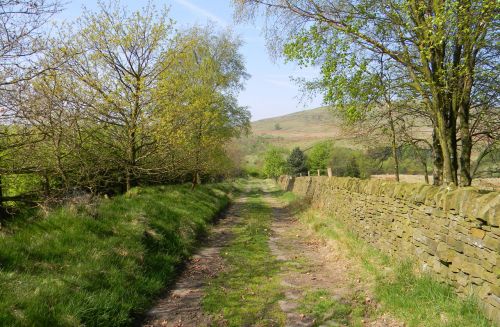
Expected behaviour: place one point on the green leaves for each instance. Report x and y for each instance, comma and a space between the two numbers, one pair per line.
275, 164
196, 96
320, 155
345, 80
297, 162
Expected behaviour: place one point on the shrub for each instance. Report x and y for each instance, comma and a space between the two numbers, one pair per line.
274, 163
320, 155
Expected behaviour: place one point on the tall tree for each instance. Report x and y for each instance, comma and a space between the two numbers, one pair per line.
197, 105
118, 57
22, 39
118, 99
274, 163
320, 155
436, 44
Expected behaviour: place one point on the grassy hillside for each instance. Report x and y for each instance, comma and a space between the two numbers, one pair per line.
95, 264
302, 128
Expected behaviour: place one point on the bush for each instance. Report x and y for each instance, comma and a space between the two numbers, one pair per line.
253, 172
320, 155
274, 163
344, 163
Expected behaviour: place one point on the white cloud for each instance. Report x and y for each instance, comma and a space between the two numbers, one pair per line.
201, 11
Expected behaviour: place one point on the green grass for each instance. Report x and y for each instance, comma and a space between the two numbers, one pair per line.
100, 267
288, 197
423, 301
247, 293
324, 308
418, 300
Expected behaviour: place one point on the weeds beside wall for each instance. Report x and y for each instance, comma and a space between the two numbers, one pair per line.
452, 233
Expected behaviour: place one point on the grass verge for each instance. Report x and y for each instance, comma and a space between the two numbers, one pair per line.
101, 267
247, 293
416, 299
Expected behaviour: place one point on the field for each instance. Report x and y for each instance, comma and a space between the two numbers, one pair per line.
302, 129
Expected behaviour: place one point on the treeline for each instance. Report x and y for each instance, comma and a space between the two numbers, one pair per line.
392, 68
344, 162
113, 100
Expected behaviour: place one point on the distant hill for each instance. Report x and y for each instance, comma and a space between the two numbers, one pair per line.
302, 128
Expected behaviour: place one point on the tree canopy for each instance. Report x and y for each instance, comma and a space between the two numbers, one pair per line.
439, 53
119, 98
275, 164
320, 155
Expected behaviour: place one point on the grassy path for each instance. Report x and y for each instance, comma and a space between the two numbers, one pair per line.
263, 265
247, 293
232, 280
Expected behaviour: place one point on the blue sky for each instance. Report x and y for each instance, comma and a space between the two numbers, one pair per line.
269, 92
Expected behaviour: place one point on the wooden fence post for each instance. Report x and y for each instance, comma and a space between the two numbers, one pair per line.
330, 172
319, 173
308, 173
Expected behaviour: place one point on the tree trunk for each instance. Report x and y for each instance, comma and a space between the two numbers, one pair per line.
46, 184
426, 173
394, 145
2, 209
423, 160
131, 163
128, 180
466, 141
196, 180
446, 132
437, 171
131, 160
465, 134
452, 137
132, 146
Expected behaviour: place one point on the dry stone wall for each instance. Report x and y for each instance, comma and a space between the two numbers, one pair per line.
452, 233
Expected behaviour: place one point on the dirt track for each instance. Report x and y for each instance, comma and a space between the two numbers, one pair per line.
308, 266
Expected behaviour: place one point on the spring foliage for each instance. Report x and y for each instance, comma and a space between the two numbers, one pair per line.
275, 164
123, 99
